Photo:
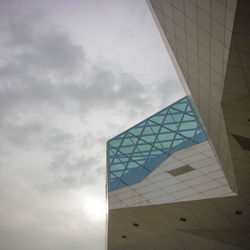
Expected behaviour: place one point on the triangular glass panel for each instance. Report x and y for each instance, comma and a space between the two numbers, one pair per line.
111, 152
128, 144
143, 146
170, 123
150, 132
159, 117
188, 118
199, 136
154, 162
130, 167
143, 174
131, 173
137, 130
148, 135
179, 143
117, 173
187, 132
154, 152
176, 115
165, 135
181, 106
119, 163
164, 145
112, 177
189, 111
141, 151
190, 123
115, 142
154, 127
118, 158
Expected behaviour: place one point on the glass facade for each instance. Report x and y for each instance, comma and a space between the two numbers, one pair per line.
135, 153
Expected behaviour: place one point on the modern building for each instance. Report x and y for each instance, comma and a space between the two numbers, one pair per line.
181, 178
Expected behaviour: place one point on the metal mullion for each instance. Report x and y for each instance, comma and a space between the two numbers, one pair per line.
116, 163
154, 134
172, 123
140, 152
132, 136
117, 148
191, 129
170, 131
178, 109
114, 171
177, 130
173, 118
194, 134
150, 143
129, 158
190, 117
113, 155
153, 130
131, 154
154, 142
163, 141
167, 109
137, 144
119, 158
161, 125
114, 176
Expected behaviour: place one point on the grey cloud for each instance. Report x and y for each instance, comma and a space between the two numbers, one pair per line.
21, 134
54, 52
44, 225
167, 89
37, 45
63, 162
56, 138
26, 132
41, 69
66, 182
68, 173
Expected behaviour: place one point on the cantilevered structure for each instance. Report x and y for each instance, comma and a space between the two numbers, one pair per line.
181, 178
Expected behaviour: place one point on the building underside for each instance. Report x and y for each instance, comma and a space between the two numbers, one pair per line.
208, 206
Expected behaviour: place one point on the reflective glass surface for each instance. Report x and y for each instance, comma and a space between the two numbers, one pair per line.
135, 153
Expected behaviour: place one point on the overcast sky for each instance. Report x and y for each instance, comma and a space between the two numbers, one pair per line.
73, 74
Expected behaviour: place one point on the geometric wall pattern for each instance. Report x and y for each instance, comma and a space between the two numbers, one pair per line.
137, 152
197, 34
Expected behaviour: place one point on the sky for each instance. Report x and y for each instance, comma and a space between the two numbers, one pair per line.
73, 74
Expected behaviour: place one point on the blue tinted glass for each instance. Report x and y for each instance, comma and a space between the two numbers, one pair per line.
131, 173
128, 143
170, 123
159, 117
137, 130
111, 153
134, 154
115, 142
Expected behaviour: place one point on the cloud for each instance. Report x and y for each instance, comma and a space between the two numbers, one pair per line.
43, 65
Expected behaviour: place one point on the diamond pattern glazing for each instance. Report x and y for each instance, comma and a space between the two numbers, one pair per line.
135, 153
